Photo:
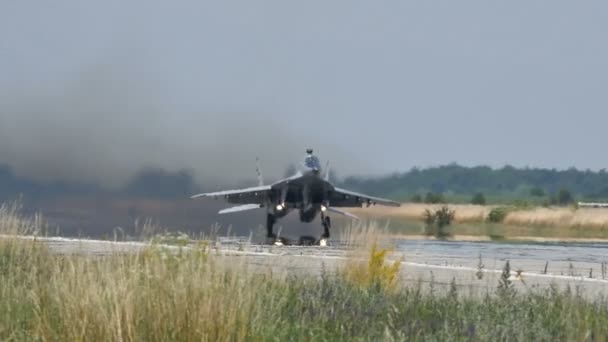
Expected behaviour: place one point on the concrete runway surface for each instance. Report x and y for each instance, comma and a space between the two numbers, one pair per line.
580, 266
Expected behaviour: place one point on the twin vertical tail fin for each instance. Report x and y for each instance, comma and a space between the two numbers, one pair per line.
258, 169
327, 169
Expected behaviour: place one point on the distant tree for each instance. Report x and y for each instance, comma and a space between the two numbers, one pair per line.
506, 182
478, 199
537, 192
416, 199
434, 198
552, 200
564, 197
602, 193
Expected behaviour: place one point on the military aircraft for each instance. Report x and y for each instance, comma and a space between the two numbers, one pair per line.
308, 191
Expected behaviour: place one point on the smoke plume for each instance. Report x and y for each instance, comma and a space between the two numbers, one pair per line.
107, 122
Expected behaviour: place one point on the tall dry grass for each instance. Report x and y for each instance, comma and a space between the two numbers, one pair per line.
465, 213
152, 295
191, 294
565, 217
593, 218
155, 294
360, 235
13, 222
370, 247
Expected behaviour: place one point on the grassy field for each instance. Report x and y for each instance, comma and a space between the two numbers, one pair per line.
82, 216
552, 222
195, 294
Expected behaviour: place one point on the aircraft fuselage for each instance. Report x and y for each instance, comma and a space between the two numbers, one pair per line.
308, 194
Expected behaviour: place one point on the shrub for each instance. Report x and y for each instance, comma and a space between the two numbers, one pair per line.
444, 216
437, 221
498, 214
375, 273
564, 197
478, 199
505, 285
429, 218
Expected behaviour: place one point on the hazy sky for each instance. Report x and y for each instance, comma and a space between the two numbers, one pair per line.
95, 90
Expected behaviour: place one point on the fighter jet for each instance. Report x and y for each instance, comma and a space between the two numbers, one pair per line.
309, 192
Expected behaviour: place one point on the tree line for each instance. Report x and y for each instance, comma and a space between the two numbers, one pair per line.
448, 183
480, 184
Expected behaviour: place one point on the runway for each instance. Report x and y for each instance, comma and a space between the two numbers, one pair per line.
580, 266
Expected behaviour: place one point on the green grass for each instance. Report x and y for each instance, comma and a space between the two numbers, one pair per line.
195, 294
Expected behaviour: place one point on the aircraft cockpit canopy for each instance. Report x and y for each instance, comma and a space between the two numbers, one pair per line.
312, 162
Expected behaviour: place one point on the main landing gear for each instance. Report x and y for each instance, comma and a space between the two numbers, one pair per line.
272, 239
270, 221
326, 222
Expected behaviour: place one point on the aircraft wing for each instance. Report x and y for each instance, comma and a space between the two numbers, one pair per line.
347, 198
254, 195
239, 208
342, 212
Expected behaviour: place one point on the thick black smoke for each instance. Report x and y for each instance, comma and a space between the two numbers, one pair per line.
108, 122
